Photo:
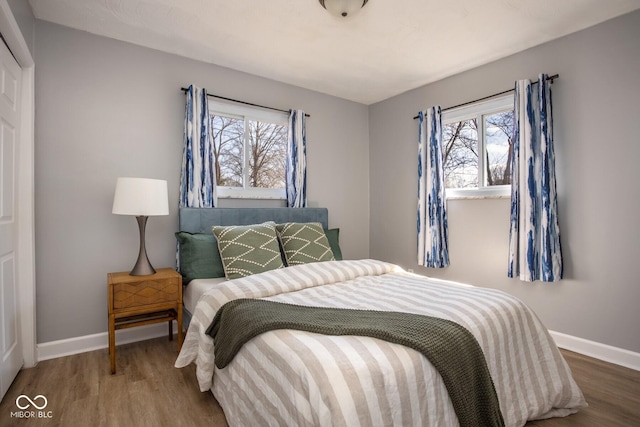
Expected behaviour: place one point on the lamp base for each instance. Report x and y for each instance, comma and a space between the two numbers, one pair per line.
143, 266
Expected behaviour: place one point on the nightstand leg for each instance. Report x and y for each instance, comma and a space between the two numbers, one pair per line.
112, 343
180, 338
171, 330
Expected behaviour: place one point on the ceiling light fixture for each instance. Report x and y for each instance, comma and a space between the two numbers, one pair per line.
343, 8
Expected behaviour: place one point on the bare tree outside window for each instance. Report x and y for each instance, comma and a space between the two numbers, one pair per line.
461, 147
499, 130
268, 150
264, 154
461, 154
228, 150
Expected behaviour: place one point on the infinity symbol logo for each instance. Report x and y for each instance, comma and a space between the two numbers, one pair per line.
23, 397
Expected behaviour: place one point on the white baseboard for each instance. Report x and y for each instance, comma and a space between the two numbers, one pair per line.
69, 346
618, 356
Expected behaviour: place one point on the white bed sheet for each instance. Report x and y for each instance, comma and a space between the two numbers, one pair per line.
194, 290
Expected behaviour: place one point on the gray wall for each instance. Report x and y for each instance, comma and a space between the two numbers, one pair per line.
106, 109
23, 14
596, 113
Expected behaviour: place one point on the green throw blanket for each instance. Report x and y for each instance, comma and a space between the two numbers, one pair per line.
449, 347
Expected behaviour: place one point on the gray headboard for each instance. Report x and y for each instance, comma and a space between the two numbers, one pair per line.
200, 220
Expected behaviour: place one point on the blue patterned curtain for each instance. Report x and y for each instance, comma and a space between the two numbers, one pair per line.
197, 178
433, 240
534, 246
296, 168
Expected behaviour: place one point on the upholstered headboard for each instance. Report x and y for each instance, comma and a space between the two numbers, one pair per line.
200, 220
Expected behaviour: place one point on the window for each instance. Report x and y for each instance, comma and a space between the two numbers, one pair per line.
478, 147
250, 150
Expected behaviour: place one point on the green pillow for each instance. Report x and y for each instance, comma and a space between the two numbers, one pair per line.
304, 242
248, 249
333, 235
199, 256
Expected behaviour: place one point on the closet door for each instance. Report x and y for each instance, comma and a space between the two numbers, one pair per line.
11, 357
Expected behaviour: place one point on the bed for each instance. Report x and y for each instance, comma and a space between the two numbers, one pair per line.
293, 377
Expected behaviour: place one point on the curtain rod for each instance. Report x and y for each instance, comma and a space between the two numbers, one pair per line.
549, 78
184, 89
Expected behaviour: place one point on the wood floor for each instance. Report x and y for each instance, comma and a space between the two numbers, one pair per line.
148, 391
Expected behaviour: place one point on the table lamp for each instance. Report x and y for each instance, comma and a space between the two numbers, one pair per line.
142, 197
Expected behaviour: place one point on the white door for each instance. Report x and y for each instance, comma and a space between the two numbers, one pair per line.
10, 334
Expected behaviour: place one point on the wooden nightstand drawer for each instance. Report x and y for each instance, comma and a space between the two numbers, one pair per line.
128, 295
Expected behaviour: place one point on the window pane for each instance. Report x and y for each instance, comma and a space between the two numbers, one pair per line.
228, 150
460, 141
499, 141
267, 154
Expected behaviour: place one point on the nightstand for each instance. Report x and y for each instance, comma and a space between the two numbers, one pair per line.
143, 300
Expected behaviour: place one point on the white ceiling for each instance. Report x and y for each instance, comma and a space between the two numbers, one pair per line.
388, 47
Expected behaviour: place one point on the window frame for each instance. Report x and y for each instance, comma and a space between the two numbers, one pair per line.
478, 110
248, 113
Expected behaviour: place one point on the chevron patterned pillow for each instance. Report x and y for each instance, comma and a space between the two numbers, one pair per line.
248, 249
304, 242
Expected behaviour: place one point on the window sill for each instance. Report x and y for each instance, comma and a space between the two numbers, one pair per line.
248, 197
481, 197
250, 193
502, 192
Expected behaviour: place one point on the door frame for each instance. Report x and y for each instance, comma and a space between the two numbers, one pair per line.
26, 188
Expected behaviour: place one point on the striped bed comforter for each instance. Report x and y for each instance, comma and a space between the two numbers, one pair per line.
288, 377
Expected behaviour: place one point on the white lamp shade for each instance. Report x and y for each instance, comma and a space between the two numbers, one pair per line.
343, 8
141, 197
